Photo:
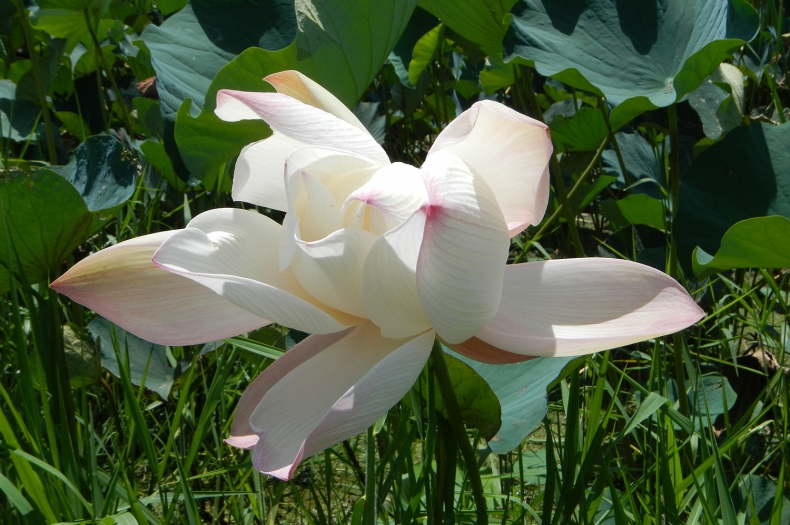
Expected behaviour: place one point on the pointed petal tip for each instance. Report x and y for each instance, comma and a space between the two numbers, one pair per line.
285, 473
243, 442
613, 303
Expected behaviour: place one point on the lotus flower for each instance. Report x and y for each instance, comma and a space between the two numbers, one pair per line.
376, 260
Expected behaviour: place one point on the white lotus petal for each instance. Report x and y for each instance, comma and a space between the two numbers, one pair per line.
335, 394
580, 306
314, 207
258, 176
510, 151
331, 269
464, 250
395, 191
365, 402
389, 281
340, 171
304, 89
122, 284
329, 176
298, 121
234, 253
241, 434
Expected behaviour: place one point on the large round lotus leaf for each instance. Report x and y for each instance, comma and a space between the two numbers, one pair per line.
584, 131
17, 115
103, 171
191, 46
654, 50
744, 175
521, 390
42, 219
761, 242
477, 403
421, 22
484, 22
326, 48
146, 361
640, 162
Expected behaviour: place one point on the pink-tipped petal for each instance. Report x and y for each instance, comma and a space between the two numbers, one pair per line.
510, 151
394, 193
389, 281
333, 394
258, 176
123, 285
234, 253
298, 121
242, 435
365, 402
579, 306
464, 250
304, 89
246, 442
479, 350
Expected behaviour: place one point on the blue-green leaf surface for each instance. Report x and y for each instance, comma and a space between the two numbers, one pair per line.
761, 242
190, 48
42, 219
326, 48
145, 360
103, 171
744, 175
650, 53
521, 390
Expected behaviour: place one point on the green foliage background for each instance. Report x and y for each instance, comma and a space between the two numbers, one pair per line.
672, 149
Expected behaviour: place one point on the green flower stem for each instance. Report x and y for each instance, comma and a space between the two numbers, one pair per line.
674, 181
615, 145
442, 375
559, 210
108, 71
369, 511
554, 166
42, 95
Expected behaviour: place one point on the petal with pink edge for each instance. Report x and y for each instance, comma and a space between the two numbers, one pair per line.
333, 394
579, 306
296, 85
241, 434
464, 250
298, 121
123, 285
510, 151
393, 193
234, 253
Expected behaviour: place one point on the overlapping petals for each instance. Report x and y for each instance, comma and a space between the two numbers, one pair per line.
234, 254
510, 152
349, 382
302, 113
376, 259
125, 286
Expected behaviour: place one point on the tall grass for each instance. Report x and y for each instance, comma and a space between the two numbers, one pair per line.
615, 446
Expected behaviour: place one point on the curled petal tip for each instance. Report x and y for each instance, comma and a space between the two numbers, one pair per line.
243, 442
